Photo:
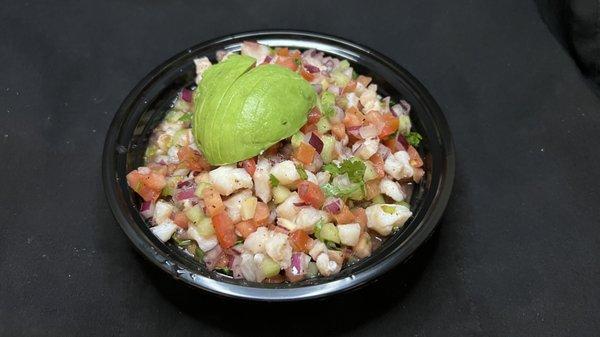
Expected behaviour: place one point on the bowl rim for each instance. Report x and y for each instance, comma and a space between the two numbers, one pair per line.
421, 234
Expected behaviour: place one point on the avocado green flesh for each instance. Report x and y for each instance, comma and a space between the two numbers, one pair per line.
216, 81
237, 116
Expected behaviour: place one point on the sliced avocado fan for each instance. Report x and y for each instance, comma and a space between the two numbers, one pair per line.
240, 111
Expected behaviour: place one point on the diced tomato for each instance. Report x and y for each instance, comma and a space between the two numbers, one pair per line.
390, 125
338, 130
148, 186
378, 162
282, 51
192, 159
148, 194
181, 220
271, 151
212, 201
245, 228
299, 241
314, 115
345, 216
361, 217
353, 117
295, 54
307, 75
364, 80
158, 168
349, 87
261, 215
415, 158
305, 153
287, 62
311, 194
224, 230
308, 128
250, 166
392, 144
372, 189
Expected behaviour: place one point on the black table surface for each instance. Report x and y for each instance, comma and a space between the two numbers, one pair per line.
517, 253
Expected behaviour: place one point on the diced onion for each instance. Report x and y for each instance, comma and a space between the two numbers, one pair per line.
316, 142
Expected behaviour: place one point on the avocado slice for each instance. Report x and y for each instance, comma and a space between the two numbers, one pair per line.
240, 112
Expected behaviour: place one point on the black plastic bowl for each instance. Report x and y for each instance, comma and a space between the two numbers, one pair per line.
147, 104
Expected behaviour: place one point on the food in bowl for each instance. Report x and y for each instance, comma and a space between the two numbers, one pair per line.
279, 165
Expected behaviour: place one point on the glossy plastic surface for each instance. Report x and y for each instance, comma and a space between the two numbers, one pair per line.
147, 104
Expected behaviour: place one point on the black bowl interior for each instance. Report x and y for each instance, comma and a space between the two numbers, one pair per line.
147, 104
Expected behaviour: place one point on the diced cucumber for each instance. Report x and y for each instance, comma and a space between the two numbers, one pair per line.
328, 147
339, 78
181, 105
269, 267
150, 151
200, 188
280, 194
378, 199
323, 125
343, 65
370, 172
312, 270
248, 208
330, 233
179, 138
195, 214
404, 125
358, 194
173, 116
389, 209
171, 185
205, 227
297, 138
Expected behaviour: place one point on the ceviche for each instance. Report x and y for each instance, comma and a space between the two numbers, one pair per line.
279, 165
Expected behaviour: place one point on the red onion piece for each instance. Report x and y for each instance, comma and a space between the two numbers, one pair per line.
383, 151
185, 193
186, 95
368, 131
311, 69
211, 257
334, 90
318, 87
147, 209
334, 206
236, 267
402, 141
185, 183
405, 106
354, 131
267, 59
297, 262
316, 142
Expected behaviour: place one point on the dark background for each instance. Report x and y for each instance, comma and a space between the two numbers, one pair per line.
517, 254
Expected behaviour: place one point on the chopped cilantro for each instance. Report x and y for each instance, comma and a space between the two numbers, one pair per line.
413, 138
353, 167
302, 173
327, 104
331, 190
187, 117
274, 181
224, 270
199, 254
